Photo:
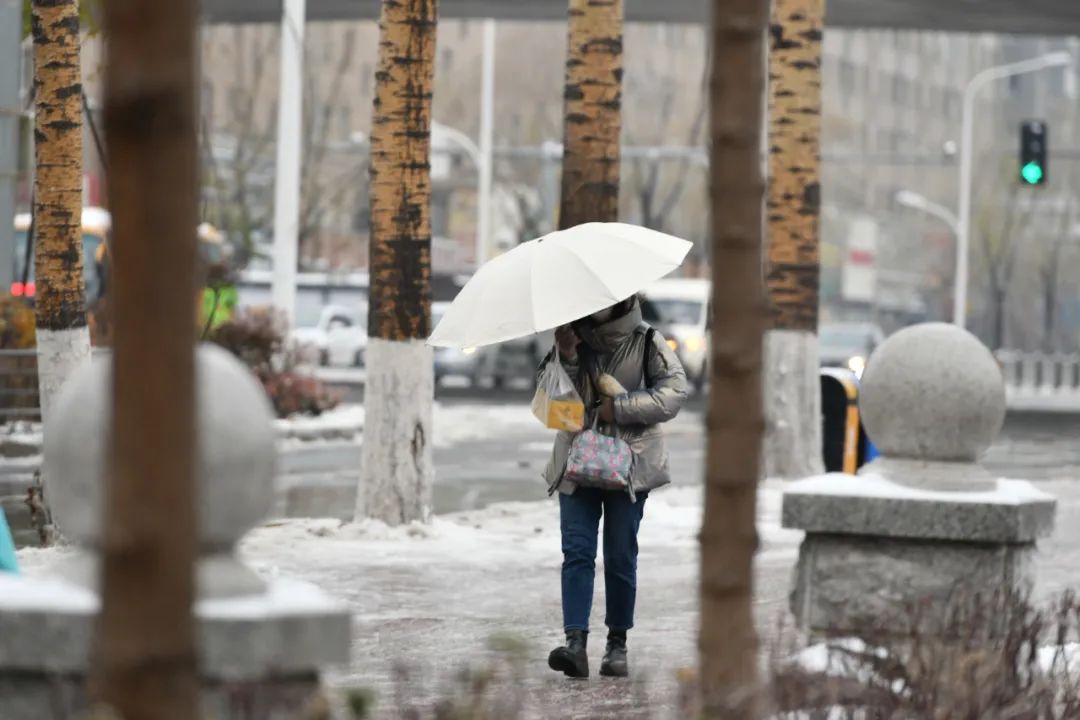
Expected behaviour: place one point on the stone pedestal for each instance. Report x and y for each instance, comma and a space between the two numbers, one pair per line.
261, 643
923, 527
881, 555
259, 654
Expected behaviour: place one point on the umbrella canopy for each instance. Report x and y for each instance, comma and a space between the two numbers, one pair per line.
556, 279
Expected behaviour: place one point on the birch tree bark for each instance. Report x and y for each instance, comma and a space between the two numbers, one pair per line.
729, 683
793, 391
592, 116
398, 470
63, 338
146, 664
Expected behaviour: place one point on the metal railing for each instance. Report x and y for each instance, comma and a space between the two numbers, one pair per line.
19, 385
1029, 376
1046, 375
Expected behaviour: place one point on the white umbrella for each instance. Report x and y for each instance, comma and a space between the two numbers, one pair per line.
553, 280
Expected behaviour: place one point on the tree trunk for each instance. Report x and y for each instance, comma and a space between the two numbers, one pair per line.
793, 443
1049, 275
63, 339
146, 661
730, 688
1049, 311
593, 95
1000, 295
398, 469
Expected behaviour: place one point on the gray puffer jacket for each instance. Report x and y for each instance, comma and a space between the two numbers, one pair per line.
618, 347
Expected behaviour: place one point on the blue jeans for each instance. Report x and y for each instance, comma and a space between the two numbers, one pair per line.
579, 516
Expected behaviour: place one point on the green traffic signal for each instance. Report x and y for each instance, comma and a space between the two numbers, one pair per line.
1032, 173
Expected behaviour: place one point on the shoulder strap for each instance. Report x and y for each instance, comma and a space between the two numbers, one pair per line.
650, 336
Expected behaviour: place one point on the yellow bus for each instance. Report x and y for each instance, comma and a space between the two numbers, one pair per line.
96, 229
96, 225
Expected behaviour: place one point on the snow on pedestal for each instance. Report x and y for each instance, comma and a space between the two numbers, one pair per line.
261, 643
924, 526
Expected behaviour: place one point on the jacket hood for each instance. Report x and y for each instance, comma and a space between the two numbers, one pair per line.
608, 336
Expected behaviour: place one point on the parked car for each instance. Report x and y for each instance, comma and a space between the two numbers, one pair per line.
472, 364
848, 344
679, 309
516, 361
338, 338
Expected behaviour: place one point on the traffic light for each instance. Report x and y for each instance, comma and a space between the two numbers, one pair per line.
1033, 141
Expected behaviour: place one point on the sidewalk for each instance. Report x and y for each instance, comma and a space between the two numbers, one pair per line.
428, 599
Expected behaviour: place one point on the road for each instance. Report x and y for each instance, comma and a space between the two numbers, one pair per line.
507, 466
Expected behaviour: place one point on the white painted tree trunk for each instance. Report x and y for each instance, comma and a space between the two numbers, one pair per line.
59, 353
398, 467
793, 442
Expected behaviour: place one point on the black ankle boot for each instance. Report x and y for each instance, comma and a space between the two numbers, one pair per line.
572, 658
614, 662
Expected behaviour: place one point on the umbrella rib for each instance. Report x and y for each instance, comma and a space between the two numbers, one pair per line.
587, 267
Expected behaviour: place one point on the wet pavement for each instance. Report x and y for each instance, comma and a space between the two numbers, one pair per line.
417, 624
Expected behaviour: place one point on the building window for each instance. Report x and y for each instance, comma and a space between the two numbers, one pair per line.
952, 103
899, 89
344, 124
366, 76
847, 78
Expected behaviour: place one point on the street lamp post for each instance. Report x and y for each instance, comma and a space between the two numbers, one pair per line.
963, 231
287, 170
482, 154
915, 201
487, 126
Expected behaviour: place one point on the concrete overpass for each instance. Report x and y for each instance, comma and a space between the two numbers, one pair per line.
1045, 17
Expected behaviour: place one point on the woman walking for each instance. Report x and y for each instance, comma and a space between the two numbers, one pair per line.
649, 388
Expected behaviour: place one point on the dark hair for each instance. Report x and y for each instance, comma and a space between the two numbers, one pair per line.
618, 310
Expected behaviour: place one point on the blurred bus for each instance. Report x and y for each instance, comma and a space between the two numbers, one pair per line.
96, 230
96, 226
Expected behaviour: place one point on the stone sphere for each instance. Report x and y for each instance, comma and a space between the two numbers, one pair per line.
237, 456
933, 392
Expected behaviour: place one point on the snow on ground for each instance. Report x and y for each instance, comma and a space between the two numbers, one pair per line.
453, 423
505, 534
431, 597
21, 433
502, 534
869, 485
500, 537
462, 423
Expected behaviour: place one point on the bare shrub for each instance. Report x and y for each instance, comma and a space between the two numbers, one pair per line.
257, 337
997, 657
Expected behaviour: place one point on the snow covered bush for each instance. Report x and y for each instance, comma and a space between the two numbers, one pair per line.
996, 659
257, 337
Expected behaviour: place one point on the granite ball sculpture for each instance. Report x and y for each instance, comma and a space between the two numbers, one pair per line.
933, 392
235, 467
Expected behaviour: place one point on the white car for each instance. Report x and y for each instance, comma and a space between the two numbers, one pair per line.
679, 309
846, 344
472, 364
339, 337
